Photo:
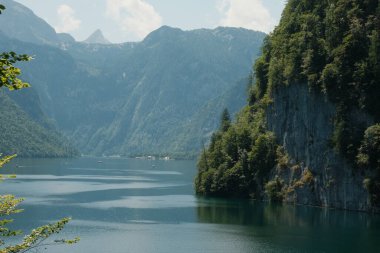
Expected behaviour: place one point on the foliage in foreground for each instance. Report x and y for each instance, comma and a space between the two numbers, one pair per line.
36, 239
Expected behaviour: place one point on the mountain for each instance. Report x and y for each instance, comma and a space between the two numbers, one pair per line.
156, 86
29, 133
137, 98
160, 84
97, 38
22, 24
25, 129
65, 38
310, 132
203, 126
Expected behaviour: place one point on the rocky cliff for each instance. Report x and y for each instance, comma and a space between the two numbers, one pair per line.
302, 121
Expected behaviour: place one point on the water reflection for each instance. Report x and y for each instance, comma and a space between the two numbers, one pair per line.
227, 211
307, 229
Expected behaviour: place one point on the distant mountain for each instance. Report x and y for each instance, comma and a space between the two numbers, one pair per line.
194, 133
65, 38
149, 97
21, 23
154, 88
97, 38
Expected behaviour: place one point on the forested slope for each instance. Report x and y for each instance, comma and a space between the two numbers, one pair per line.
29, 134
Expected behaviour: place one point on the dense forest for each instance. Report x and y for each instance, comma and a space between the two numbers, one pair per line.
333, 48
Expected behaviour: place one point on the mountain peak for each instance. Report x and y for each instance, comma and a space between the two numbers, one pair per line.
97, 37
162, 32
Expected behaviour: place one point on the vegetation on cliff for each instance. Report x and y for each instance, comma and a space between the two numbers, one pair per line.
369, 157
239, 157
334, 48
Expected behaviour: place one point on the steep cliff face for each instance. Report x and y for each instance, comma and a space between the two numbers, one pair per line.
302, 121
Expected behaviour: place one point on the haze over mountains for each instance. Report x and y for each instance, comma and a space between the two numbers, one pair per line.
163, 95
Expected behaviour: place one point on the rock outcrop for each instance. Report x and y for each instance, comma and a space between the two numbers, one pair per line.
315, 174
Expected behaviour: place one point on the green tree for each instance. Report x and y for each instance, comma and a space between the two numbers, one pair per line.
370, 149
9, 73
369, 158
239, 157
225, 120
8, 203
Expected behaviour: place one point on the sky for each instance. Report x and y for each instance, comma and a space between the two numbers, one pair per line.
132, 20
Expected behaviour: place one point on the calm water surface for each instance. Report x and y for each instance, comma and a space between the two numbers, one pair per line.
130, 205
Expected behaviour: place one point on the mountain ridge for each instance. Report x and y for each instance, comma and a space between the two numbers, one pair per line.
36, 30
151, 89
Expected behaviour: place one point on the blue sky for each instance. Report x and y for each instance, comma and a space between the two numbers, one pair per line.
132, 20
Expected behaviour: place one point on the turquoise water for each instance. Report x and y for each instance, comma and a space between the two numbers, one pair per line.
130, 205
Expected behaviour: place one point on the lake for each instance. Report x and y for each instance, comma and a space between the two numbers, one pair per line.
132, 205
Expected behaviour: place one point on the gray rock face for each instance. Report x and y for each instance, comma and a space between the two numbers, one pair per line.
303, 123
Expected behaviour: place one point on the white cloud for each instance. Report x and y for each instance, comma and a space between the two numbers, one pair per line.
250, 14
67, 21
136, 17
